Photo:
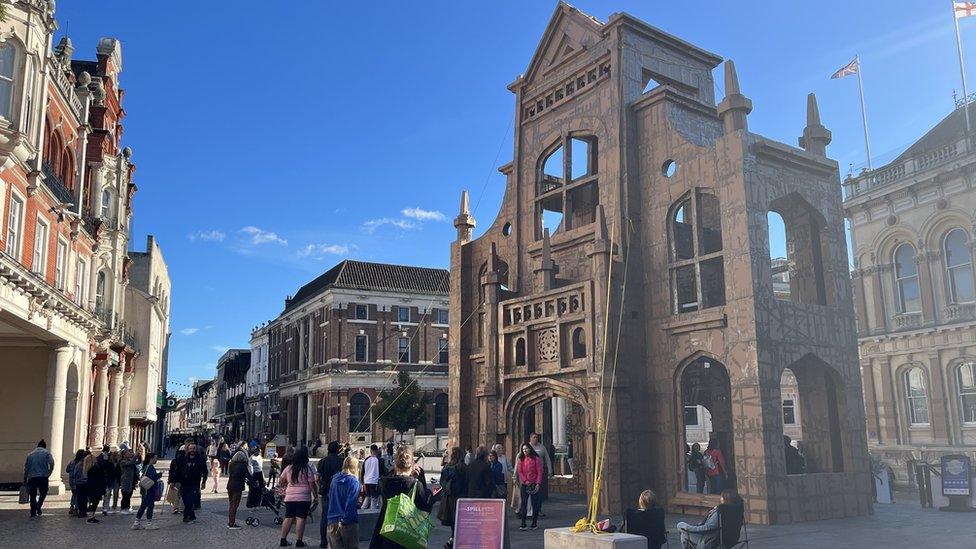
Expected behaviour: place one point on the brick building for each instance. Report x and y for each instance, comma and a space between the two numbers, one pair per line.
633, 233
340, 341
912, 224
231, 379
65, 204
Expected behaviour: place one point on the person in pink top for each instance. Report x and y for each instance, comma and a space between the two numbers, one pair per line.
530, 479
715, 468
298, 484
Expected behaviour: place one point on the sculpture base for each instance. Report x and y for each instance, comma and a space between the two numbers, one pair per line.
564, 538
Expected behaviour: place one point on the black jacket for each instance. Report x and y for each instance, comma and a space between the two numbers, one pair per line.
392, 486
238, 474
191, 471
327, 468
480, 484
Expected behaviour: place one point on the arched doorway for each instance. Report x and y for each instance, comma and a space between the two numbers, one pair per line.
822, 402
705, 411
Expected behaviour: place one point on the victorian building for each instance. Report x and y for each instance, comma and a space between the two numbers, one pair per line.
627, 277
341, 340
231, 378
65, 204
256, 386
912, 225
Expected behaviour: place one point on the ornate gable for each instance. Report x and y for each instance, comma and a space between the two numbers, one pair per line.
569, 32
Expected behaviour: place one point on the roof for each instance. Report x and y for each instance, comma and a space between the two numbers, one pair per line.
949, 129
383, 277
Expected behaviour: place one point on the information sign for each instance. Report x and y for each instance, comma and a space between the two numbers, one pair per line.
479, 524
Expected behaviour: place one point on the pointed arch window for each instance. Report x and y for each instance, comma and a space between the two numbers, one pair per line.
959, 266
907, 295
697, 263
916, 397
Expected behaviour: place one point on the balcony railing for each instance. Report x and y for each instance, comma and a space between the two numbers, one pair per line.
90, 222
57, 186
903, 169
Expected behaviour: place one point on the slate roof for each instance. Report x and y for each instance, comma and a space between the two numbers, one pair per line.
949, 129
362, 275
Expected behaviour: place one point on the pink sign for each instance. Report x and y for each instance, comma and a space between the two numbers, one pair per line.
479, 524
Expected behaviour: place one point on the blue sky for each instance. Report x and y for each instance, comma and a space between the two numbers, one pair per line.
275, 138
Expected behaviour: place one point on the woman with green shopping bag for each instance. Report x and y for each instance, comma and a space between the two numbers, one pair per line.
404, 520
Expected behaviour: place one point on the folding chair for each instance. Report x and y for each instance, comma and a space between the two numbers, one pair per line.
741, 543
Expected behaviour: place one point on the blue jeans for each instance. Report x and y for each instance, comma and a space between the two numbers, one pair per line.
148, 503
190, 492
716, 484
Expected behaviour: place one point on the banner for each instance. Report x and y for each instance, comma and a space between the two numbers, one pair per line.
956, 475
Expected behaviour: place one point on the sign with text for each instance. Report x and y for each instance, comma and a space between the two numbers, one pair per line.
956, 475
479, 524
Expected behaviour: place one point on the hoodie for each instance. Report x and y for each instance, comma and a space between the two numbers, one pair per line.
343, 493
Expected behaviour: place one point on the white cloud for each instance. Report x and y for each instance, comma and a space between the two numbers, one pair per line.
373, 224
259, 236
189, 331
318, 251
213, 235
421, 214
220, 348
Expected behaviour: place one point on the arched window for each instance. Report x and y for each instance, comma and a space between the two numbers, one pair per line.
907, 295
520, 351
697, 265
579, 343
440, 411
100, 291
106, 205
360, 417
916, 397
67, 169
8, 58
959, 267
966, 381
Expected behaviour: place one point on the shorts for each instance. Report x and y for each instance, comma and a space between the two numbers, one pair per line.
297, 509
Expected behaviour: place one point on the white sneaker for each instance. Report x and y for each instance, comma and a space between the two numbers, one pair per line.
150, 525
137, 525
125, 512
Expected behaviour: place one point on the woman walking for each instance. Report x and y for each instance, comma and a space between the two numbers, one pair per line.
112, 473
342, 516
238, 475
128, 475
406, 478
529, 468
454, 485
77, 479
148, 493
298, 483
223, 456
215, 472
95, 486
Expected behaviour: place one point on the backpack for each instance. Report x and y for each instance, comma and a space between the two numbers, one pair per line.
710, 463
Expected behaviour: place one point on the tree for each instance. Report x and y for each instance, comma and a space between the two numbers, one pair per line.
401, 408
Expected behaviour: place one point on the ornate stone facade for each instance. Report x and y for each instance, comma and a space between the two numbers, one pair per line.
627, 276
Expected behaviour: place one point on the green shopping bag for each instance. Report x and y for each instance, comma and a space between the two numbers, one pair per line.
404, 523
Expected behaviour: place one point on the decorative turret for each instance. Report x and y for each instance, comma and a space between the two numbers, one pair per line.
547, 267
734, 108
64, 50
464, 222
815, 136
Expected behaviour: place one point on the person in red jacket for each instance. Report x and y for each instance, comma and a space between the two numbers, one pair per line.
715, 468
530, 480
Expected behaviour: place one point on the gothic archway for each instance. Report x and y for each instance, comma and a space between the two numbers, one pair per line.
704, 390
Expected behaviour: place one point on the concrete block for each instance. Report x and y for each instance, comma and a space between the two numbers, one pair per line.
564, 538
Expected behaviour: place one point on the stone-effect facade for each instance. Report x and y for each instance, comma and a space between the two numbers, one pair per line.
660, 266
912, 222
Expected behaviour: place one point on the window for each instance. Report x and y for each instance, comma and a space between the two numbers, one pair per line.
959, 267
789, 411
697, 264
966, 380
28, 116
80, 283
520, 351
360, 417
403, 314
106, 203
403, 349
566, 186
442, 316
579, 343
918, 402
440, 411
442, 351
362, 312
8, 57
907, 295
14, 222
691, 416
100, 292
39, 264
59, 262
362, 348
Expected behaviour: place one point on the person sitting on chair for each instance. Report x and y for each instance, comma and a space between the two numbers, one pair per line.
719, 530
647, 520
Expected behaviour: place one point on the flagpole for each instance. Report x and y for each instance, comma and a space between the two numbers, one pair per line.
962, 67
864, 115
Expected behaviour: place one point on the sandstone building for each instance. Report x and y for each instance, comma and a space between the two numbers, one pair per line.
340, 341
633, 233
912, 226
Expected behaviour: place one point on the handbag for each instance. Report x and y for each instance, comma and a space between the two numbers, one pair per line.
24, 495
146, 483
532, 488
158, 492
404, 523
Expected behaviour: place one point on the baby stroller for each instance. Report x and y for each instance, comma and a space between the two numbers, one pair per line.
258, 497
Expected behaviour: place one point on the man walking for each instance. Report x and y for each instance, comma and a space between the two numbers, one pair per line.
37, 469
536, 442
371, 478
191, 471
328, 468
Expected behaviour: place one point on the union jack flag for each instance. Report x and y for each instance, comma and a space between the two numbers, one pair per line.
964, 9
848, 69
